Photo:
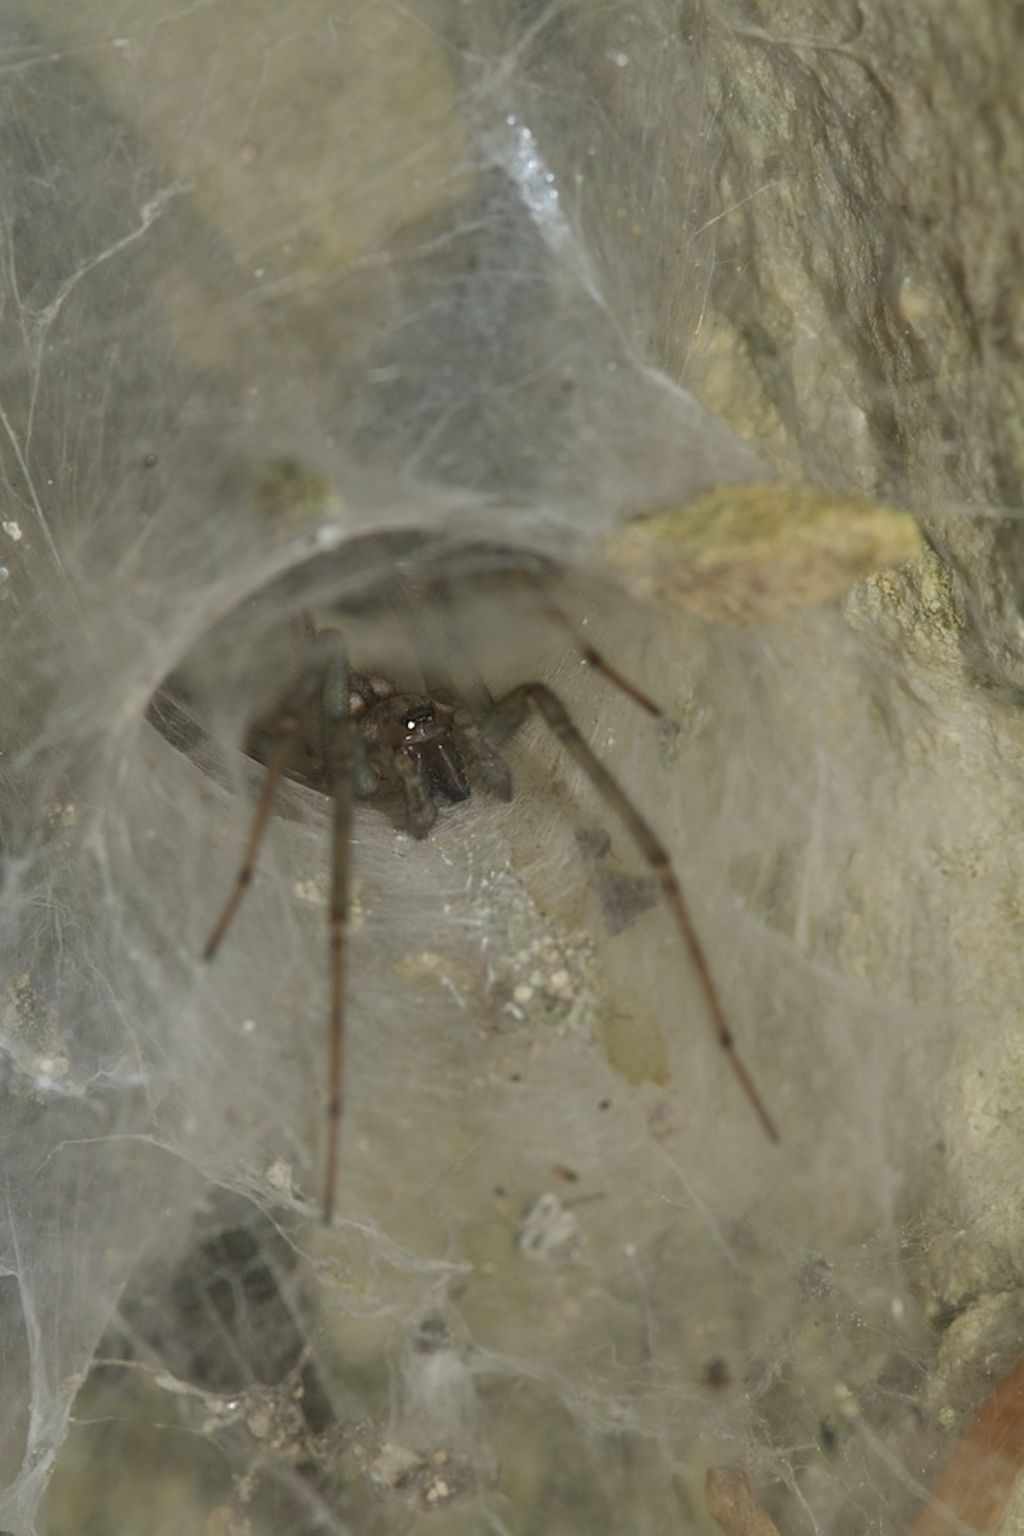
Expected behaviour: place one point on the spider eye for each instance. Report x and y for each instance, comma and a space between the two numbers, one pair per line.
420, 715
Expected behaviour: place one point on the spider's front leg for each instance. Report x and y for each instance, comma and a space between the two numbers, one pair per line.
346, 768
283, 732
324, 687
507, 715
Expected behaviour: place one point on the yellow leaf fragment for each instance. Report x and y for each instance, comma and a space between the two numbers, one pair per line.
756, 553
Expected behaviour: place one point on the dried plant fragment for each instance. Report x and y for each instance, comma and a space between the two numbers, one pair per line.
732, 1504
974, 1485
753, 554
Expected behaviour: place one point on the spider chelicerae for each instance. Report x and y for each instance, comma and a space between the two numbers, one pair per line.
351, 735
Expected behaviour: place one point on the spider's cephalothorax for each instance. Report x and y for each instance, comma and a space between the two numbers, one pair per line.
420, 746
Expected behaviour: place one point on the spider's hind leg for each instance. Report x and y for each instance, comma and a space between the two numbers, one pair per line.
509, 712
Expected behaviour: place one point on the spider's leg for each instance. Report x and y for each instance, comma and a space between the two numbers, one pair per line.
512, 709
345, 767
486, 758
420, 805
590, 654
283, 734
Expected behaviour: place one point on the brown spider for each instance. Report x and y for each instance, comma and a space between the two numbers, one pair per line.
350, 734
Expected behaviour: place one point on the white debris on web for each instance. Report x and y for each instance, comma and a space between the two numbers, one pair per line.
378, 320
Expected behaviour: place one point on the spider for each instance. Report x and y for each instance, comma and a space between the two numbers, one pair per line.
352, 735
